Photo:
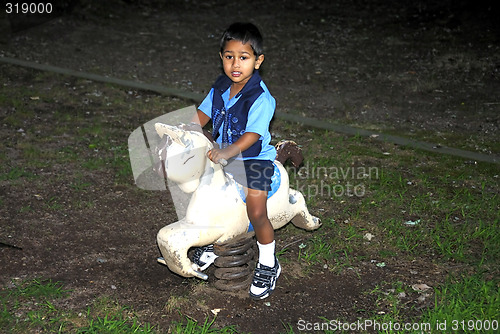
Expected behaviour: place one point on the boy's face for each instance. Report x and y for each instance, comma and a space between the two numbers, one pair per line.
239, 62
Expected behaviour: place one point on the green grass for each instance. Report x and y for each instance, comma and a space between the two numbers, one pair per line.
16, 173
466, 304
39, 290
35, 306
30, 306
115, 323
193, 327
317, 249
471, 299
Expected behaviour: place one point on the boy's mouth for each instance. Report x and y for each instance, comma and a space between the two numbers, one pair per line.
236, 74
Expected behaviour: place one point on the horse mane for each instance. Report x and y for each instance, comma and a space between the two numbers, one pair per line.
289, 150
161, 148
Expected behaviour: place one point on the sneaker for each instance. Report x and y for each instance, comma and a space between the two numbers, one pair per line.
203, 257
264, 280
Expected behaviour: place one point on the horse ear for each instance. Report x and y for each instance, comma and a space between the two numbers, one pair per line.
172, 131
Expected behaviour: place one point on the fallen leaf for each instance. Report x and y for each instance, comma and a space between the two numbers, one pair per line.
420, 287
368, 236
412, 223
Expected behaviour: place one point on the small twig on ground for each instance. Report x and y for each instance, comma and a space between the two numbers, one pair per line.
287, 245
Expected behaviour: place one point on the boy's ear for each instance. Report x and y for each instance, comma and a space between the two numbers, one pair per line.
220, 55
259, 61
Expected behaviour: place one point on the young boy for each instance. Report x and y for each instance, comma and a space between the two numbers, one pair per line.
241, 108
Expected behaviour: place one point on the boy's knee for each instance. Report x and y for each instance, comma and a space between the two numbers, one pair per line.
257, 217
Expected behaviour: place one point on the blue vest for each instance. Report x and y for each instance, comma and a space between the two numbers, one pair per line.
234, 120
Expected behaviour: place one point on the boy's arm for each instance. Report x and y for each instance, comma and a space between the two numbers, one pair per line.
242, 144
200, 118
246, 140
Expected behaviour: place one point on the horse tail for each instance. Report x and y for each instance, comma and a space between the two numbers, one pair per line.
288, 149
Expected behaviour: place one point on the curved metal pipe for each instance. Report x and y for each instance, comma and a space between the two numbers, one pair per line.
201, 275
196, 273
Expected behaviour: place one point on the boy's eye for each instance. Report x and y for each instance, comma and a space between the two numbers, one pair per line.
228, 57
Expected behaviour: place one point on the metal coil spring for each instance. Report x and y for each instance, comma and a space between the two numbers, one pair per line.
235, 263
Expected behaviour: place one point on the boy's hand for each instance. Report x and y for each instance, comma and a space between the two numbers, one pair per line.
244, 142
218, 154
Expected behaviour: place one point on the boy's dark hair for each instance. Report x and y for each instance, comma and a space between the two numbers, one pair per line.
243, 32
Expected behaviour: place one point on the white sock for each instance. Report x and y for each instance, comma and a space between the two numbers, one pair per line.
266, 253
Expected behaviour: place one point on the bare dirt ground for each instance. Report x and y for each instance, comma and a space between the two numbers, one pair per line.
414, 67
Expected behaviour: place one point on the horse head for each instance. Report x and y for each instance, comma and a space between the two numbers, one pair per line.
183, 154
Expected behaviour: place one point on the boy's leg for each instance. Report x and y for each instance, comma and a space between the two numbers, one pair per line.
264, 232
257, 213
268, 269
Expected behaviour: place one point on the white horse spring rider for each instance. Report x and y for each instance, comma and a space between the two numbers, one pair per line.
216, 212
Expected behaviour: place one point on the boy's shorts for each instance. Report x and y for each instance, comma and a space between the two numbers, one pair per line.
253, 173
